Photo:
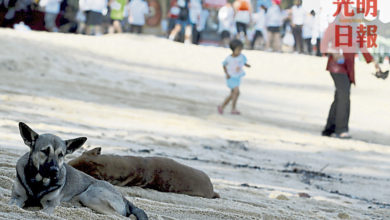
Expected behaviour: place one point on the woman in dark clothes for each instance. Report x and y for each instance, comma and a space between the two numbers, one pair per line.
341, 65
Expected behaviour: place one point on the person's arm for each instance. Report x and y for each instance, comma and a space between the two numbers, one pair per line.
250, 13
290, 15
246, 62
376, 65
369, 59
226, 72
148, 10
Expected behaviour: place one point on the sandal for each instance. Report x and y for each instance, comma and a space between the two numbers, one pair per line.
343, 135
220, 110
235, 112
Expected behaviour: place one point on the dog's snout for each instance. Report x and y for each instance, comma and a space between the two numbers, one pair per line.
54, 169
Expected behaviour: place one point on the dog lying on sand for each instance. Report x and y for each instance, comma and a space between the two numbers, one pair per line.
43, 179
162, 174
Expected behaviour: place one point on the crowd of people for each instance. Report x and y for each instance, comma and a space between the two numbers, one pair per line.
271, 26
92, 17
260, 24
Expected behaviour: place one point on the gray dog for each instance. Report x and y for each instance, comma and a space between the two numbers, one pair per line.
45, 180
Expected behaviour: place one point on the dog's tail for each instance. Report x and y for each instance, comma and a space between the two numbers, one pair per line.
216, 196
131, 209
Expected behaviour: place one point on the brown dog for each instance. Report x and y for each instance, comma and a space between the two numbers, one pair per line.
162, 174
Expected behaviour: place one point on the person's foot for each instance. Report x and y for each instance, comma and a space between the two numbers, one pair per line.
235, 112
343, 135
327, 133
220, 110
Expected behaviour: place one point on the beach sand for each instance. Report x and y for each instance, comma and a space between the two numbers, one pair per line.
146, 96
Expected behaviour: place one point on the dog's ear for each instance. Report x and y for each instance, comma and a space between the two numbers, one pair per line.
29, 136
94, 152
73, 144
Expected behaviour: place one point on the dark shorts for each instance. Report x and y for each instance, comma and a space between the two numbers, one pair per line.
241, 27
273, 29
258, 34
136, 28
113, 20
94, 18
225, 34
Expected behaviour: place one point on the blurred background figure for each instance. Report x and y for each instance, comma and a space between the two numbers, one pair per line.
201, 26
226, 23
138, 10
243, 17
69, 21
51, 8
173, 15
94, 10
307, 32
298, 17
259, 24
274, 21
260, 29
117, 14
12, 9
319, 28
182, 21
195, 11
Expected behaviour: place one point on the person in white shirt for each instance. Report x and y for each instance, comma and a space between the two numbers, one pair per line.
52, 8
138, 9
195, 11
226, 23
307, 31
201, 25
243, 15
94, 10
259, 19
321, 23
298, 17
274, 20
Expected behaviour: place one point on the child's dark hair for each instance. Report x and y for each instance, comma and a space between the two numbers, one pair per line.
235, 44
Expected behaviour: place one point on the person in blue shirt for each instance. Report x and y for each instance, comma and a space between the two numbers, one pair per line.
233, 66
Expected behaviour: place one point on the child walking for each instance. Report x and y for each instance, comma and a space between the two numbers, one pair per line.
233, 66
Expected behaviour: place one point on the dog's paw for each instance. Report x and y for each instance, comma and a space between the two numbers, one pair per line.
16, 201
48, 210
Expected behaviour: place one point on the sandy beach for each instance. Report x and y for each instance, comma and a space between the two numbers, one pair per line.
147, 96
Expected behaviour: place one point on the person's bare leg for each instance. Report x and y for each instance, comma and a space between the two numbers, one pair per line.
273, 42
117, 26
268, 43
88, 30
278, 45
111, 29
187, 34
227, 100
174, 32
235, 94
98, 30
